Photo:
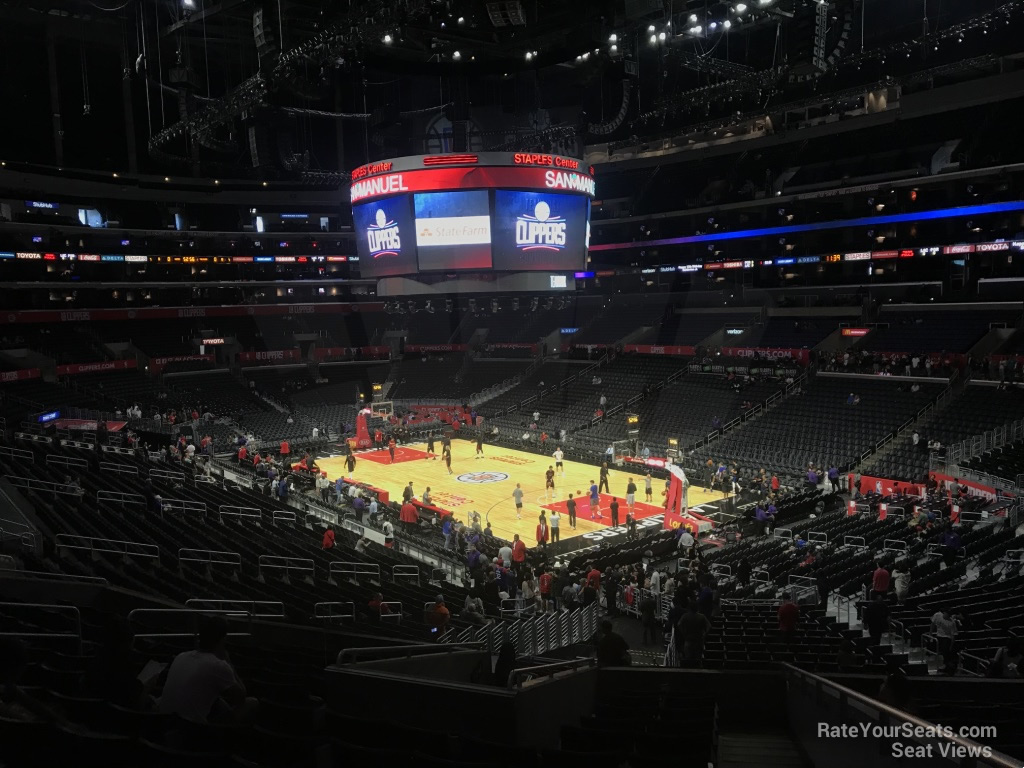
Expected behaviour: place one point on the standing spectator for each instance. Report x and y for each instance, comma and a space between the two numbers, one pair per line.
649, 618
518, 554
542, 530
876, 619
553, 522
789, 616
691, 631
447, 530
546, 581
612, 649
944, 628
812, 478
743, 572
323, 485
389, 534
408, 515
570, 507
243, 454
328, 542
901, 582
879, 580
285, 451
833, 478
505, 555
951, 544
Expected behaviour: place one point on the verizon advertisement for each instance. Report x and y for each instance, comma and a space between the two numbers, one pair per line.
269, 356
435, 347
107, 365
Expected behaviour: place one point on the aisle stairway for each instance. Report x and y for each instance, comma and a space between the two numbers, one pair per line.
755, 750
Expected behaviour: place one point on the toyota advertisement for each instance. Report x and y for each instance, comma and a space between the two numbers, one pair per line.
487, 211
385, 237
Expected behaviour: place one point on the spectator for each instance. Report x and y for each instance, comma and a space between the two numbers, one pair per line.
328, 542
438, 616
901, 582
377, 606
876, 619
789, 616
743, 572
362, 545
879, 580
518, 553
505, 554
951, 545
389, 534
1006, 662
691, 631
944, 628
202, 685
612, 649
323, 486
409, 517
649, 619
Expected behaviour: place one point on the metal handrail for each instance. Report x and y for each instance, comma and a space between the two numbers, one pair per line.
258, 609
889, 714
100, 544
31, 483
319, 608
110, 466
235, 511
67, 461
517, 677
211, 556
49, 608
18, 453
355, 569
289, 564
351, 655
50, 576
166, 474
118, 496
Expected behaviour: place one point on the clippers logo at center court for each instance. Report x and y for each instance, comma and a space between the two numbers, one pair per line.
542, 231
383, 237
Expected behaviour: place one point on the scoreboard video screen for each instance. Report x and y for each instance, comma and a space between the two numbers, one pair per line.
492, 211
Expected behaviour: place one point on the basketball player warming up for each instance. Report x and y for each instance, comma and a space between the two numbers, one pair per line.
549, 484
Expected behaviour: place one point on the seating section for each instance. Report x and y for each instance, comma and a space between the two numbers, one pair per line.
802, 332
818, 426
449, 377
947, 330
975, 410
691, 329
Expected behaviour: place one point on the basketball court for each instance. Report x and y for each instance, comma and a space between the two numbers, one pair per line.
485, 485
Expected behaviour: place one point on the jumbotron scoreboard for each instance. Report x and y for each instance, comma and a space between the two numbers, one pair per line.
492, 211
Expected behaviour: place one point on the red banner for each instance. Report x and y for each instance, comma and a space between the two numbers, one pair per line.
158, 363
25, 373
107, 365
171, 313
399, 182
269, 356
435, 347
649, 349
372, 353
800, 355
90, 425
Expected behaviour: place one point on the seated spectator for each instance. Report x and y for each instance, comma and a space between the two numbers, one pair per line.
202, 685
328, 542
377, 606
1006, 663
438, 616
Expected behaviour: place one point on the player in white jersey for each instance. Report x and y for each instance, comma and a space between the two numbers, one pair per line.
558, 456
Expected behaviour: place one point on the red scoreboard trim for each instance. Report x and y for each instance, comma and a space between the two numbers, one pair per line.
488, 177
451, 160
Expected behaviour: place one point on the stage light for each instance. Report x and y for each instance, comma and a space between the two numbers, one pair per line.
650, 28
189, 3
727, 24
661, 36
613, 38
529, 55
456, 55
654, 39
712, 26
614, 48
696, 30
462, 20
387, 39
741, 8
693, 18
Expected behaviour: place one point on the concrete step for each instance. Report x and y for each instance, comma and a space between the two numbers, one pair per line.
747, 751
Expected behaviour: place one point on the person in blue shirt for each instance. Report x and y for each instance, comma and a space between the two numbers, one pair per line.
282, 489
833, 477
771, 509
812, 478
446, 531
339, 489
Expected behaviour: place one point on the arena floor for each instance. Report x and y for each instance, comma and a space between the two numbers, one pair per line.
485, 485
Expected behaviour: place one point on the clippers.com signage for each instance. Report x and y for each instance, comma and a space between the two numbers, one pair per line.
269, 356
799, 355
433, 173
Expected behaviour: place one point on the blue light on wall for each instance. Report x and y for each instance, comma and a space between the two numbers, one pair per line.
894, 218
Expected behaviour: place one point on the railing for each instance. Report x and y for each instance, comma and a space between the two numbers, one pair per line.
406, 572
855, 541
334, 610
66, 461
519, 676
40, 613
18, 453
141, 615
288, 564
353, 655
352, 571
96, 544
120, 498
894, 545
813, 700
51, 576
183, 506
127, 469
283, 515
31, 484
166, 474
209, 557
249, 513
258, 609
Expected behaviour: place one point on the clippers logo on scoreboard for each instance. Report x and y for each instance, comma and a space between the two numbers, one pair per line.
541, 231
383, 236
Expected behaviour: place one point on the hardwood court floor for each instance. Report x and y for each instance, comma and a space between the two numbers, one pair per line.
485, 485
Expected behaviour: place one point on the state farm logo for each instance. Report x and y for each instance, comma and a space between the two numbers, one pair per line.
383, 236
192, 312
541, 231
301, 309
74, 317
